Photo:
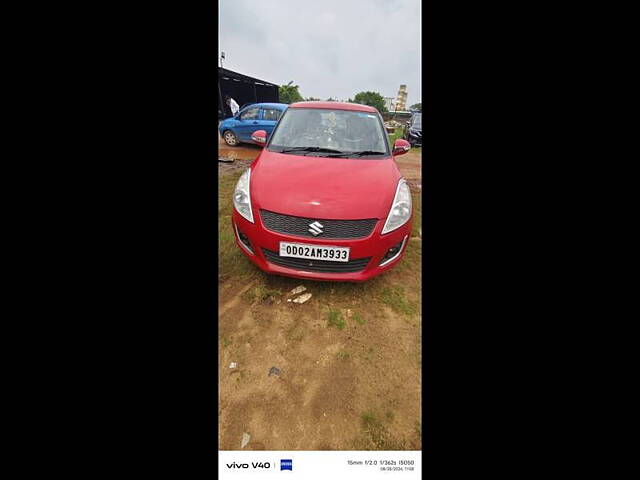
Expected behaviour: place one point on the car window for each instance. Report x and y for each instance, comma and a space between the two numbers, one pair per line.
250, 114
271, 114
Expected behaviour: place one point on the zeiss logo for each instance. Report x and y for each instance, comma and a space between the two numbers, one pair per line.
286, 465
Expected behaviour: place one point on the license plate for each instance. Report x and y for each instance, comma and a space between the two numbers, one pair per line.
314, 252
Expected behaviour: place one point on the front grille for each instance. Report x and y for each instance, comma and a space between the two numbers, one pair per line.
324, 266
299, 226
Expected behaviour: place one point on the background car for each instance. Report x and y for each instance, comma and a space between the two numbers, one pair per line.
413, 131
257, 116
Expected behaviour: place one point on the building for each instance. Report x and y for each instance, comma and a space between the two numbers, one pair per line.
401, 100
388, 102
243, 89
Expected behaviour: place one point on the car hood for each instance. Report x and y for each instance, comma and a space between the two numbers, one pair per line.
321, 187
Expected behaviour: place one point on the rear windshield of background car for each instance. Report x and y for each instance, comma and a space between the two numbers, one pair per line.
344, 131
417, 121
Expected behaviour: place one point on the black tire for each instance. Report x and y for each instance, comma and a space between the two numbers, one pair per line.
230, 138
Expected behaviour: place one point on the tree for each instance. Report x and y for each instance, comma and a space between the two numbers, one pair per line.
289, 93
416, 106
331, 99
311, 99
373, 99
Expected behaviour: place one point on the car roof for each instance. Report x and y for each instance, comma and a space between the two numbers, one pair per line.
279, 106
335, 106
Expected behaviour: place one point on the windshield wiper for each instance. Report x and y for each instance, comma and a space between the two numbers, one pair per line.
309, 149
362, 153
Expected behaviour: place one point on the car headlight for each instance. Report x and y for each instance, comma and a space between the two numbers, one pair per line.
242, 196
400, 209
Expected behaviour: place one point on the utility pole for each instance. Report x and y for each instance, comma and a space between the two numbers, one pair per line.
219, 89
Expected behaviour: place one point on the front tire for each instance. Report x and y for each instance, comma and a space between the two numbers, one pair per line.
230, 138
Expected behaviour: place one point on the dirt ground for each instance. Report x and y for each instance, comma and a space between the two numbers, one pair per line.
349, 359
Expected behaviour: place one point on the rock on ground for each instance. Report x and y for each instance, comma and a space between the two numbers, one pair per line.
298, 289
302, 298
245, 439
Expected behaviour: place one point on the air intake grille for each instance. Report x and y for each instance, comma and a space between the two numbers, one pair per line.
299, 226
324, 266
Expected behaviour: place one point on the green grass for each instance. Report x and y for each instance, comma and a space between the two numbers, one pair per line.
375, 434
398, 133
396, 299
358, 318
260, 293
343, 355
335, 319
369, 420
416, 201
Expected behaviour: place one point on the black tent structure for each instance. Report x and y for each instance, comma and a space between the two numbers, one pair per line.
244, 89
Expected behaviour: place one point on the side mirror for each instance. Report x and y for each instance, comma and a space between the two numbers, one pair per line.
401, 147
259, 137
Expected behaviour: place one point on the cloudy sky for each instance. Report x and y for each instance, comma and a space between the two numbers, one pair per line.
330, 48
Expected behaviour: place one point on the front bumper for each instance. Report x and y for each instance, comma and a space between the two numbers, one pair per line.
374, 246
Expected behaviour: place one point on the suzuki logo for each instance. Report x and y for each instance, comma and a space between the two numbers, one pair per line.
315, 228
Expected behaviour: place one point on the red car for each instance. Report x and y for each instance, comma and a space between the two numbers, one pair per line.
324, 200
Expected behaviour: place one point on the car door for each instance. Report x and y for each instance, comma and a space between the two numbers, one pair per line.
269, 118
248, 122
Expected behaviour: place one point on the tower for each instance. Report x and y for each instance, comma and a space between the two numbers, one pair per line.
401, 101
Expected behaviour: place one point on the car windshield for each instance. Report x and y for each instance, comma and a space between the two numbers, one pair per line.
326, 132
417, 121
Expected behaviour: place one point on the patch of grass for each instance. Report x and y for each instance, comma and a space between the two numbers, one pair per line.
260, 293
226, 342
369, 420
376, 436
335, 319
343, 355
398, 133
358, 318
395, 298
416, 202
